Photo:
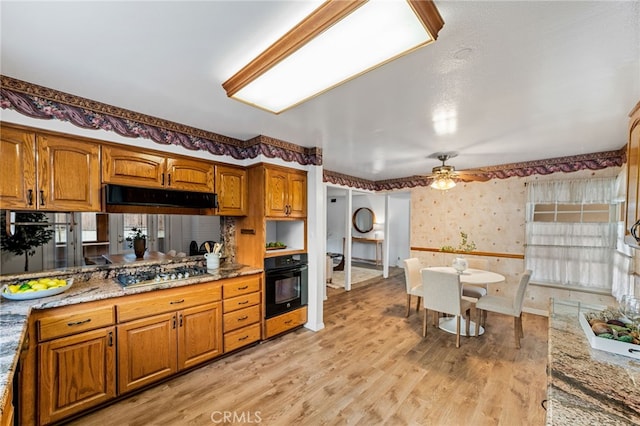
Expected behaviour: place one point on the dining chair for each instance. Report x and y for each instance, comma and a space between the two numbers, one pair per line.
475, 291
442, 292
508, 305
414, 282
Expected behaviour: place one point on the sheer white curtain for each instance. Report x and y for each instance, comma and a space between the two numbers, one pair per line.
573, 254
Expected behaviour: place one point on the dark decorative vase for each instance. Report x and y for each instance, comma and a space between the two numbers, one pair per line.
139, 247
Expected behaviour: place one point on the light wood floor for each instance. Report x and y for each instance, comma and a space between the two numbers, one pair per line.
369, 366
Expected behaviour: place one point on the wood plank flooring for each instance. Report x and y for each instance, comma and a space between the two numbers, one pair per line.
369, 366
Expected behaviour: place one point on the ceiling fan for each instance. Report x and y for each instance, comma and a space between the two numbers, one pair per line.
445, 176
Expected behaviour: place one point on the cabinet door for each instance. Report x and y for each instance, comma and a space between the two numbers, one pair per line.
127, 167
297, 195
18, 165
189, 175
68, 174
276, 193
76, 373
146, 351
231, 187
199, 334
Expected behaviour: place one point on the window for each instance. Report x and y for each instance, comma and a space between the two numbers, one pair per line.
579, 213
571, 233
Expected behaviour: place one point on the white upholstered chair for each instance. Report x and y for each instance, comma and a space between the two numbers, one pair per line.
508, 305
473, 292
414, 282
442, 292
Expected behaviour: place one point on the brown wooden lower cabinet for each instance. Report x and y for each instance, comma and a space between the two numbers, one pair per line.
8, 411
285, 322
76, 373
88, 354
239, 338
147, 351
200, 334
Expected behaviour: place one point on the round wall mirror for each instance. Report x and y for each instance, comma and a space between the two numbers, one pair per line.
363, 219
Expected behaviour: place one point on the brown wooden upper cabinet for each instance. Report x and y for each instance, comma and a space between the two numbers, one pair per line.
231, 187
633, 169
42, 171
286, 192
154, 170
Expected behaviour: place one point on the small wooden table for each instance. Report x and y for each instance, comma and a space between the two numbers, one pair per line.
131, 257
375, 241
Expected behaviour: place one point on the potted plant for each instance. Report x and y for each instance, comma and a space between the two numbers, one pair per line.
26, 238
138, 240
465, 246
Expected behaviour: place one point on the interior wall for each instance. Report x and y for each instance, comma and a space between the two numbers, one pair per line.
493, 214
399, 228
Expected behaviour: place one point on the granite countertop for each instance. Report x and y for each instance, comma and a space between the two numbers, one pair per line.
587, 386
87, 287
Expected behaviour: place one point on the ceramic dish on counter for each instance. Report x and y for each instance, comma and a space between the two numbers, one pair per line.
36, 294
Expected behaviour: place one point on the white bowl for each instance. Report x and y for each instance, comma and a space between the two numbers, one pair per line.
35, 294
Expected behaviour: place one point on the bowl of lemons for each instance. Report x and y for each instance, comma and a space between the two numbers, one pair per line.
36, 288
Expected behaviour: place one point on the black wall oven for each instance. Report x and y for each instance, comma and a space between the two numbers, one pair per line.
286, 283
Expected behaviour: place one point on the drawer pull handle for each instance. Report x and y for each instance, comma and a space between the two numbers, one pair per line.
176, 302
243, 288
288, 321
243, 318
243, 303
71, 324
110, 340
243, 338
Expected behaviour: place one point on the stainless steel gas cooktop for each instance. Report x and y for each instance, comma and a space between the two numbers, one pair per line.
158, 275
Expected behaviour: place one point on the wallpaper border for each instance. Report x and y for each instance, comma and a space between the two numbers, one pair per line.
574, 163
44, 103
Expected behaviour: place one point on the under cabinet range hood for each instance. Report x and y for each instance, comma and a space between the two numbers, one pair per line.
120, 198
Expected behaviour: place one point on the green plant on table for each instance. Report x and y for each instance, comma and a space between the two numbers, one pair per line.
465, 245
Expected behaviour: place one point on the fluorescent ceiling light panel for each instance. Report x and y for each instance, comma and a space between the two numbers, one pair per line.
339, 41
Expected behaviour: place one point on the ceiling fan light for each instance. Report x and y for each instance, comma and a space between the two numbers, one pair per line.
443, 183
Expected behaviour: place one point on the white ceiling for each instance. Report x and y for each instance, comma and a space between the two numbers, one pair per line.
526, 80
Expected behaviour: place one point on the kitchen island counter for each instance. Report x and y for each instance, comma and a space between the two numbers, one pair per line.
587, 386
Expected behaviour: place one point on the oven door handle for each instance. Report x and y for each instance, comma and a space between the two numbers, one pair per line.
295, 268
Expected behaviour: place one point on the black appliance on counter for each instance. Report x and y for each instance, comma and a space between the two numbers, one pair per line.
286, 283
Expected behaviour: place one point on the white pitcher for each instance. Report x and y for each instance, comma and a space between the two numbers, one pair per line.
213, 261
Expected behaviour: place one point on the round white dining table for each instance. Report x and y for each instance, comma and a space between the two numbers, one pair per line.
468, 276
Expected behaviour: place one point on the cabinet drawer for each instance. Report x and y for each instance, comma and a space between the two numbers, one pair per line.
159, 302
241, 318
240, 302
284, 322
242, 337
240, 286
71, 321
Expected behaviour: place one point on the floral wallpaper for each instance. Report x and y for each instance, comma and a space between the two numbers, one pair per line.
493, 215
